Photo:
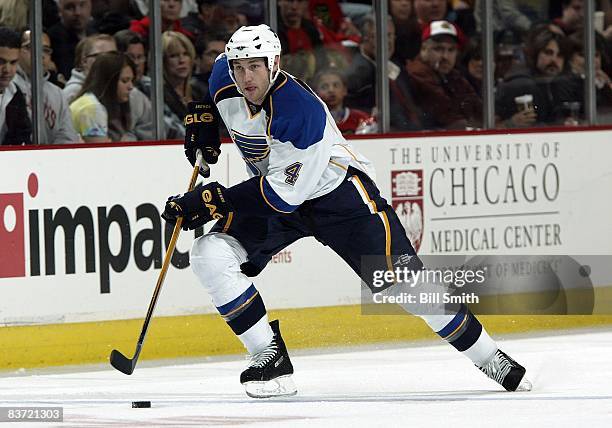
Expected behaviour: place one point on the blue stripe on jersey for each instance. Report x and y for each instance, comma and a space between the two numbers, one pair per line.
454, 323
275, 201
296, 115
239, 301
219, 78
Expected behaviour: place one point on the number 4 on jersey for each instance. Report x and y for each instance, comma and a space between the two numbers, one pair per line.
292, 172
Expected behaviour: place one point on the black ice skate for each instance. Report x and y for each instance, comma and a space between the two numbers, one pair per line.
507, 372
269, 371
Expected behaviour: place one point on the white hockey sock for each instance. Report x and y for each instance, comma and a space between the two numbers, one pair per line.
465, 333
256, 338
481, 352
461, 329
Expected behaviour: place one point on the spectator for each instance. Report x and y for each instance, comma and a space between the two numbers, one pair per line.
361, 77
332, 24
14, 14
300, 40
546, 55
461, 13
49, 67
140, 106
132, 44
330, 85
110, 16
471, 65
537, 11
179, 57
606, 29
448, 100
15, 125
51, 14
57, 127
101, 111
430, 10
427, 11
231, 19
572, 16
508, 54
571, 90
207, 49
506, 17
65, 35
86, 53
170, 14
408, 33
205, 20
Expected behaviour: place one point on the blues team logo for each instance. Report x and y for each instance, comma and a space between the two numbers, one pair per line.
407, 201
254, 148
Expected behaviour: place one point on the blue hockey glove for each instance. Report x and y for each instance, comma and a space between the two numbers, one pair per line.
198, 207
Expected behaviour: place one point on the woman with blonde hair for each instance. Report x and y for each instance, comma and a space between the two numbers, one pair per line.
179, 56
14, 14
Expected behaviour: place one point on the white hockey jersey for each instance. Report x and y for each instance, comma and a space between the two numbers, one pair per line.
291, 144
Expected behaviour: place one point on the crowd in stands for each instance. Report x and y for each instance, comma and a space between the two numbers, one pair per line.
96, 85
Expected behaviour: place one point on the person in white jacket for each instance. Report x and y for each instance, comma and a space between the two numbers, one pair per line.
58, 127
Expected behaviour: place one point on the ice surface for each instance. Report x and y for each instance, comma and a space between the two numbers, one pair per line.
411, 386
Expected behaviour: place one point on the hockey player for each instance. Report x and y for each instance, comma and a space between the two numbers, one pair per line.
306, 180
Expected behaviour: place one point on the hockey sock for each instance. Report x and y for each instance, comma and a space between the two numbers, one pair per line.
458, 325
464, 332
246, 315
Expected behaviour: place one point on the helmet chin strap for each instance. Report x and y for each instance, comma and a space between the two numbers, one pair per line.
271, 80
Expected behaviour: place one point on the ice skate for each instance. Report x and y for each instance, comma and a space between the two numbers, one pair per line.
269, 371
507, 372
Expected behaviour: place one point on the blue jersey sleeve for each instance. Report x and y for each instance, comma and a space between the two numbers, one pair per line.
296, 116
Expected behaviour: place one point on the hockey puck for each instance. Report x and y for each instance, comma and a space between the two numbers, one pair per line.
141, 404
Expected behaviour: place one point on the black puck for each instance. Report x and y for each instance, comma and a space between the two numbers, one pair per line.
141, 404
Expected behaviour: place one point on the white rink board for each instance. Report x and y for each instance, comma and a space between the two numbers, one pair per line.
558, 183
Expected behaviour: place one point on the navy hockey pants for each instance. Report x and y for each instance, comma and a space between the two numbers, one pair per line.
353, 220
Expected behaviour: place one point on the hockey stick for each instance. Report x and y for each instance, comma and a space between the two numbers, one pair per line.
117, 359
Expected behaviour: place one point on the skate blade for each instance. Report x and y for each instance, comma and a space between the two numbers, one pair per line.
282, 386
525, 385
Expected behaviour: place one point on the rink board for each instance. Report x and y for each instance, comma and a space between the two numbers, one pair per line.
81, 241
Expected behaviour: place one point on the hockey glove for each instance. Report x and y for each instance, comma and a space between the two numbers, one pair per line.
198, 207
202, 132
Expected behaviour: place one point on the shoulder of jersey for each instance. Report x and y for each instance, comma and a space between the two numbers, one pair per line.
295, 114
220, 84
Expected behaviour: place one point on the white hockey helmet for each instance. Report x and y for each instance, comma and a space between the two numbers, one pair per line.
254, 41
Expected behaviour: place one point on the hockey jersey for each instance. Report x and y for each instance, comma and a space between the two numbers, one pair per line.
291, 145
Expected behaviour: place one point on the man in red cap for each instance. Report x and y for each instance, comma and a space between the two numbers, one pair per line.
447, 99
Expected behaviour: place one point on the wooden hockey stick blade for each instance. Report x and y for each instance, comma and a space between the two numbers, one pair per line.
117, 359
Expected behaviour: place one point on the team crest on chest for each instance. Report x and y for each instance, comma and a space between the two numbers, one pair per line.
254, 148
